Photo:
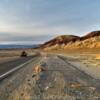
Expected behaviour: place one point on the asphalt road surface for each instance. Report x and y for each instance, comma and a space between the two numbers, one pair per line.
7, 66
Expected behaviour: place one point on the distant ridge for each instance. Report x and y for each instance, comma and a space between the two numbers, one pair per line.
15, 46
90, 35
61, 39
90, 40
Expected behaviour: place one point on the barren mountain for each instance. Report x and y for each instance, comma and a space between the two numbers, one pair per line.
91, 35
64, 39
91, 40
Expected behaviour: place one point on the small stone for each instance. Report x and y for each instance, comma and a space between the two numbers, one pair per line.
22, 94
28, 80
92, 88
47, 87
33, 75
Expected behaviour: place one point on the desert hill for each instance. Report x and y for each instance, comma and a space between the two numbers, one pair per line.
90, 40
64, 39
91, 35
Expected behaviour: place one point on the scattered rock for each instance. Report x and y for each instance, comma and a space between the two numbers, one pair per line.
39, 69
92, 88
75, 85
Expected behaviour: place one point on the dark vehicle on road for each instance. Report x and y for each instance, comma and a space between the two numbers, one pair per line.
23, 54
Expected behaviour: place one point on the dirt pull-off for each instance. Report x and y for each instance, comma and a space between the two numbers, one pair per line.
60, 81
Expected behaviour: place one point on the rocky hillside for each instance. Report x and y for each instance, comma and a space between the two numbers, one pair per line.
64, 39
91, 35
91, 40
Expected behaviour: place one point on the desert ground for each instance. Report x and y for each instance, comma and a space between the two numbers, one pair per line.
68, 76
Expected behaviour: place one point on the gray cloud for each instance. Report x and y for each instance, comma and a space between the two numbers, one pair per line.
40, 20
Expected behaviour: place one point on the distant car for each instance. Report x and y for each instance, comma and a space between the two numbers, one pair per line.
23, 54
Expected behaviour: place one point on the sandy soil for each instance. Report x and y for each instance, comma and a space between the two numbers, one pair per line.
87, 63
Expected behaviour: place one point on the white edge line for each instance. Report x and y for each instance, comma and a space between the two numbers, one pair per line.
14, 69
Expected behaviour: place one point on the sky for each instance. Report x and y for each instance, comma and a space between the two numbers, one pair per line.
42, 20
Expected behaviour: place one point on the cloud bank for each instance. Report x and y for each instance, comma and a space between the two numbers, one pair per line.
40, 20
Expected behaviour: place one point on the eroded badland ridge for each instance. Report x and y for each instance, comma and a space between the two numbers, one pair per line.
91, 40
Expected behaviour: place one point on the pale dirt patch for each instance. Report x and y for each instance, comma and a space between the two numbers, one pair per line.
87, 63
97, 56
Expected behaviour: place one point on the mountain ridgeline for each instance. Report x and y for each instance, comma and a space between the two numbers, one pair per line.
90, 40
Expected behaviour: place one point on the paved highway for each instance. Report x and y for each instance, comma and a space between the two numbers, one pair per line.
12, 64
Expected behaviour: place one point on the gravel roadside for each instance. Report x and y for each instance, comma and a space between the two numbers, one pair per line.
15, 80
61, 81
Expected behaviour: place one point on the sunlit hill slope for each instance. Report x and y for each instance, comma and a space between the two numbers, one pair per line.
90, 40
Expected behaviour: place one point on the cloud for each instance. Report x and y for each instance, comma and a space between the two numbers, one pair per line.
42, 19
